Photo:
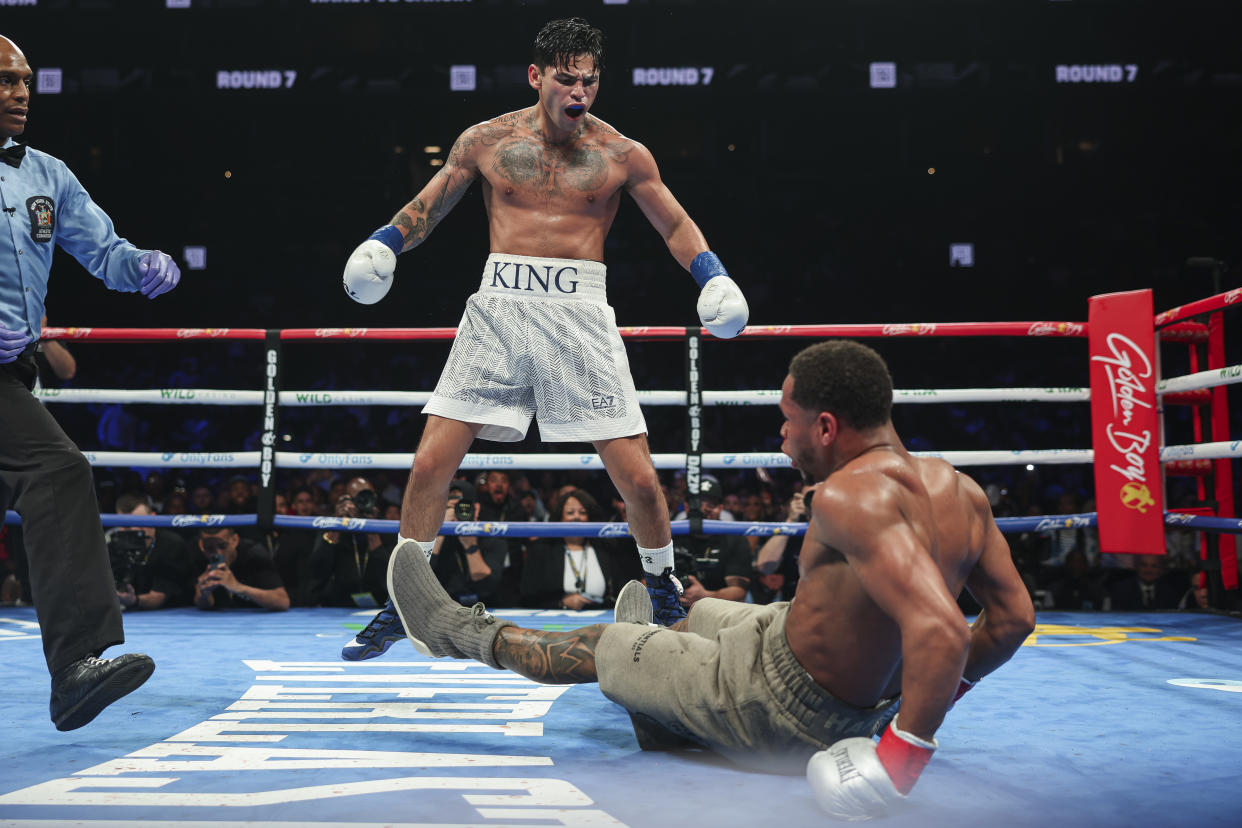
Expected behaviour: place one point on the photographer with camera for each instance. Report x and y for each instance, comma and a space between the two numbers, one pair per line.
716, 566
152, 567
350, 569
239, 573
469, 568
776, 564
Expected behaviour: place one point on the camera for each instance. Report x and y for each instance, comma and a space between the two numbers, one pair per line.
216, 560
367, 502
462, 510
126, 552
684, 562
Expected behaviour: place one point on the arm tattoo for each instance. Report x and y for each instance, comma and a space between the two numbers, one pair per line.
417, 220
550, 657
414, 229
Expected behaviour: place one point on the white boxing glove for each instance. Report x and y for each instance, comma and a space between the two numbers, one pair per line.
856, 779
369, 270
722, 307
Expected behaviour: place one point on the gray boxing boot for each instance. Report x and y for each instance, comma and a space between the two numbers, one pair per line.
436, 624
634, 604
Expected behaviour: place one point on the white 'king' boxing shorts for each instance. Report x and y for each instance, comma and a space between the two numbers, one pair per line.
539, 336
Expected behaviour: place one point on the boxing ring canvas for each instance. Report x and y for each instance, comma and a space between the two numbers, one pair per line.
1101, 719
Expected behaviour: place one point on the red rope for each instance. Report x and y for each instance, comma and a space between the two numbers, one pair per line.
902, 329
1212, 303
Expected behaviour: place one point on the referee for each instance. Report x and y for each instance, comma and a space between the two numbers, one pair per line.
42, 474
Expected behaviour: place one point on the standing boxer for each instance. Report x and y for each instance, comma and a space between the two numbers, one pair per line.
539, 336
42, 473
891, 542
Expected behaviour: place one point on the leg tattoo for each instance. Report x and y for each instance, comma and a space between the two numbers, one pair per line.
550, 657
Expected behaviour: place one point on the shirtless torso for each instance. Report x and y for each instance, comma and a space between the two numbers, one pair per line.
891, 542
547, 199
839, 633
548, 194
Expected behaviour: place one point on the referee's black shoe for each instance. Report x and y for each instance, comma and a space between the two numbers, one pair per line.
83, 689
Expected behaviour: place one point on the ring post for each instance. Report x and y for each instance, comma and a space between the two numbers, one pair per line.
694, 427
1124, 423
267, 454
1222, 478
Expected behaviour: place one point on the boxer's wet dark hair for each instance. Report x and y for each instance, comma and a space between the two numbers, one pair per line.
560, 41
845, 378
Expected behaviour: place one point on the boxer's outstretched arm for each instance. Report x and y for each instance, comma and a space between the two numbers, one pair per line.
550, 657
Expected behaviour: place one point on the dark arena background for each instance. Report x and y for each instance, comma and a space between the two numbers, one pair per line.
899, 165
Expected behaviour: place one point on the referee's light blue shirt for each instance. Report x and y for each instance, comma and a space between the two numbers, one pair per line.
43, 205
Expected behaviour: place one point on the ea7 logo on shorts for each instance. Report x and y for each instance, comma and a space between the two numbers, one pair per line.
604, 402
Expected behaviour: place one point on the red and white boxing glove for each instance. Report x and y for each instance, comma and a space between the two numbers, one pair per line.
857, 779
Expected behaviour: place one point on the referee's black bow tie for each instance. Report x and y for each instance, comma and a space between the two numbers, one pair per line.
13, 155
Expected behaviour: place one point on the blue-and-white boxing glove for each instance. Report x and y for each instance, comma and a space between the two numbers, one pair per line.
368, 272
722, 307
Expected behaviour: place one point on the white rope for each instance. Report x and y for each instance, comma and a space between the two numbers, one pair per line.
164, 396
539, 461
711, 460
1040, 457
309, 398
1203, 451
951, 395
1202, 379
175, 459
208, 396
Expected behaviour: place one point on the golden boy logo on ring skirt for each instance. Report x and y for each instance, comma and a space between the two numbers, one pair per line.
1136, 496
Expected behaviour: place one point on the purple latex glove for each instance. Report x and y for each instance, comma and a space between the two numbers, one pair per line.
160, 273
12, 344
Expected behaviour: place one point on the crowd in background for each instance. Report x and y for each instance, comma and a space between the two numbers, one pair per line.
1063, 568
278, 568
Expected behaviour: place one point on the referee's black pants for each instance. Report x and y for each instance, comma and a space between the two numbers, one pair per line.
46, 480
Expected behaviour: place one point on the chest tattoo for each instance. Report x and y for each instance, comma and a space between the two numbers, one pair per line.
549, 172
